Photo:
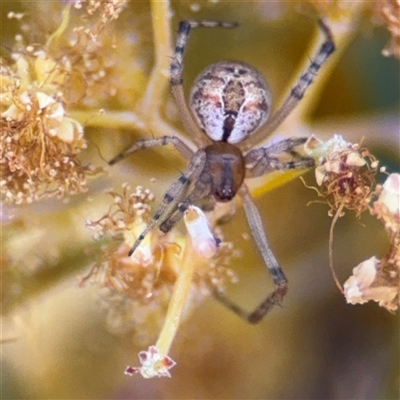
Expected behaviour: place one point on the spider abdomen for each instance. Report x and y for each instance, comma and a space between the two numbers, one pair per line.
225, 164
230, 100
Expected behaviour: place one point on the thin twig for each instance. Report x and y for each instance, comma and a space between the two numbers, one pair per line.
335, 218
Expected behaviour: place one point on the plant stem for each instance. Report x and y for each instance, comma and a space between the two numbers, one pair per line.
179, 298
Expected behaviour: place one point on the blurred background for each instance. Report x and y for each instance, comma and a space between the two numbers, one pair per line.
57, 343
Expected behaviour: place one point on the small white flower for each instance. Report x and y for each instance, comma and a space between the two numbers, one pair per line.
363, 275
43, 100
358, 290
390, 196
153, 364
197, 226
387, 207
11, 113
71, 131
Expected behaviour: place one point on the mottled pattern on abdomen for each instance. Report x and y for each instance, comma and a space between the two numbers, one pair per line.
230, 100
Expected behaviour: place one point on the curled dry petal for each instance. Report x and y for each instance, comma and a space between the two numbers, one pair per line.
363, 276
361, 287
387, 207
390, 196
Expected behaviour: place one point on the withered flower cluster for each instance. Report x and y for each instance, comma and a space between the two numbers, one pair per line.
40, 143
346, 180
345, 174
140, 286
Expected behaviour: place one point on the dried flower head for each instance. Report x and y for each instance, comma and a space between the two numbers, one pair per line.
345, 174
124, 221
144, 282
108, 10
88, 51
385, 286
40, 144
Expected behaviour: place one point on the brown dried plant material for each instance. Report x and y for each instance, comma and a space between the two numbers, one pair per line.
39, 142
346, 180
139, 287
345, 174
387, 209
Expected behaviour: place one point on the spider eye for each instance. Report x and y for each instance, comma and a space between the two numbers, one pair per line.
225, 193
230, 100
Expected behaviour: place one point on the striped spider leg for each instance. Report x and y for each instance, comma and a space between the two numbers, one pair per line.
226, 116
299, 90
263, 159
178, 189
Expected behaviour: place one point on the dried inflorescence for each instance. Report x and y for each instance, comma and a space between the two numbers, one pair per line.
40, 144
142, 284
87, 52
346, 180
345, 174
40, 83
108, 9
142, 276
386, 283
379, 279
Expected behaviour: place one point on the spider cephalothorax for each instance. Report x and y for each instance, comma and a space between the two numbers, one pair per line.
228, 115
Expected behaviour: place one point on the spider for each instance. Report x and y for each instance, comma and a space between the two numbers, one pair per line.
227, 117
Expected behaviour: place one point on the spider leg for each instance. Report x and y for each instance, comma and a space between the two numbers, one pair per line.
173, 196
286, 145
176, 67
201, 190
298, 91
263, 159
178, 144
257, 230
